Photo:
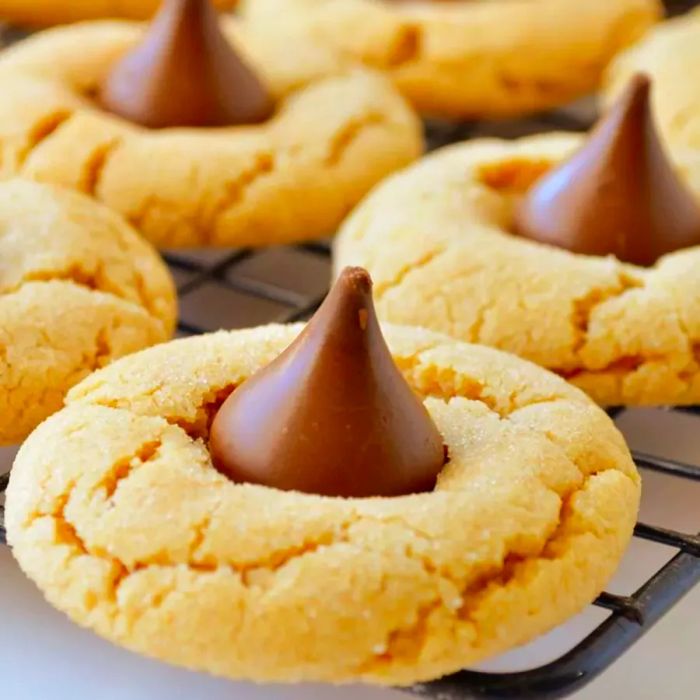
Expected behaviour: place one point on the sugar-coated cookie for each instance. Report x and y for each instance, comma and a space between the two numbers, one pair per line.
78, 288
115, 510
336, 132
40, 13
437, 240
470, 59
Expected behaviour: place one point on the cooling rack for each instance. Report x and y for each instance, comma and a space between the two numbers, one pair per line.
244, 287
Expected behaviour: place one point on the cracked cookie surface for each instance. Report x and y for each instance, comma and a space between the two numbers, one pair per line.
78, 288
436, 241
115, 510
665, 54
470, 59
39, 13
337, 131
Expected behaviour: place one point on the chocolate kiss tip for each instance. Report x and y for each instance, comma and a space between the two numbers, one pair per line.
634, 103
356, 277
185, 73
618, 195
640, 82
332, 415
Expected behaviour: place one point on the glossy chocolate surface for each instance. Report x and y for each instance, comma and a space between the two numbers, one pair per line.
618, 195
332, 415
185, 72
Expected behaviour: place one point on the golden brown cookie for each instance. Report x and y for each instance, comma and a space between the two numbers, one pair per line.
665, 55
337, 131
78, 288
40, 13
115, 510
436, 239
470, 59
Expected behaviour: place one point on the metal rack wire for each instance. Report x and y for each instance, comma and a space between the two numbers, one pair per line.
236, 288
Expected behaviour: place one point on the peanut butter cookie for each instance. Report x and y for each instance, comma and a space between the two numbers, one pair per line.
115, 510
78, 288
335, 132
470, 59
438, 241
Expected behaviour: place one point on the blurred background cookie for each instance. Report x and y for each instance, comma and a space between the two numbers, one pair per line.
250, 142
666, 54
469, 60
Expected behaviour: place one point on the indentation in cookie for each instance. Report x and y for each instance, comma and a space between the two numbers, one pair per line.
407, 47
512, 176
42, 129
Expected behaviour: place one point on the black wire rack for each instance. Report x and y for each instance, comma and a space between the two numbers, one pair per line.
245, 287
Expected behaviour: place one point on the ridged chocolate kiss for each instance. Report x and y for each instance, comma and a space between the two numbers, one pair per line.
185, 73
332, 415
618, 195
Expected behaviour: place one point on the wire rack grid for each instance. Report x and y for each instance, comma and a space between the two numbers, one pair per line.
245, 287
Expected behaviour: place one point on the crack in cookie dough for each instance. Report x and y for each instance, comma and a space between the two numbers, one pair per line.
123, 467
96, 165
526, 524
408, 48
401, 274
350, 133
436, 239
584, 308
94, 280
42, 130
408, 643
116, 477
93, 328
335, 133
236, 190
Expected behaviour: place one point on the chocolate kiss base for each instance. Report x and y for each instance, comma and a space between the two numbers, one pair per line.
185, 73
618, 195
332, 415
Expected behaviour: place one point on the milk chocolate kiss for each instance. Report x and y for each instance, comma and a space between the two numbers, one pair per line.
332, 415
185, 73
618, 195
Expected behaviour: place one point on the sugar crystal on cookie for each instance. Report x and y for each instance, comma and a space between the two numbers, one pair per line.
618, 195
185, 72
332, 415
